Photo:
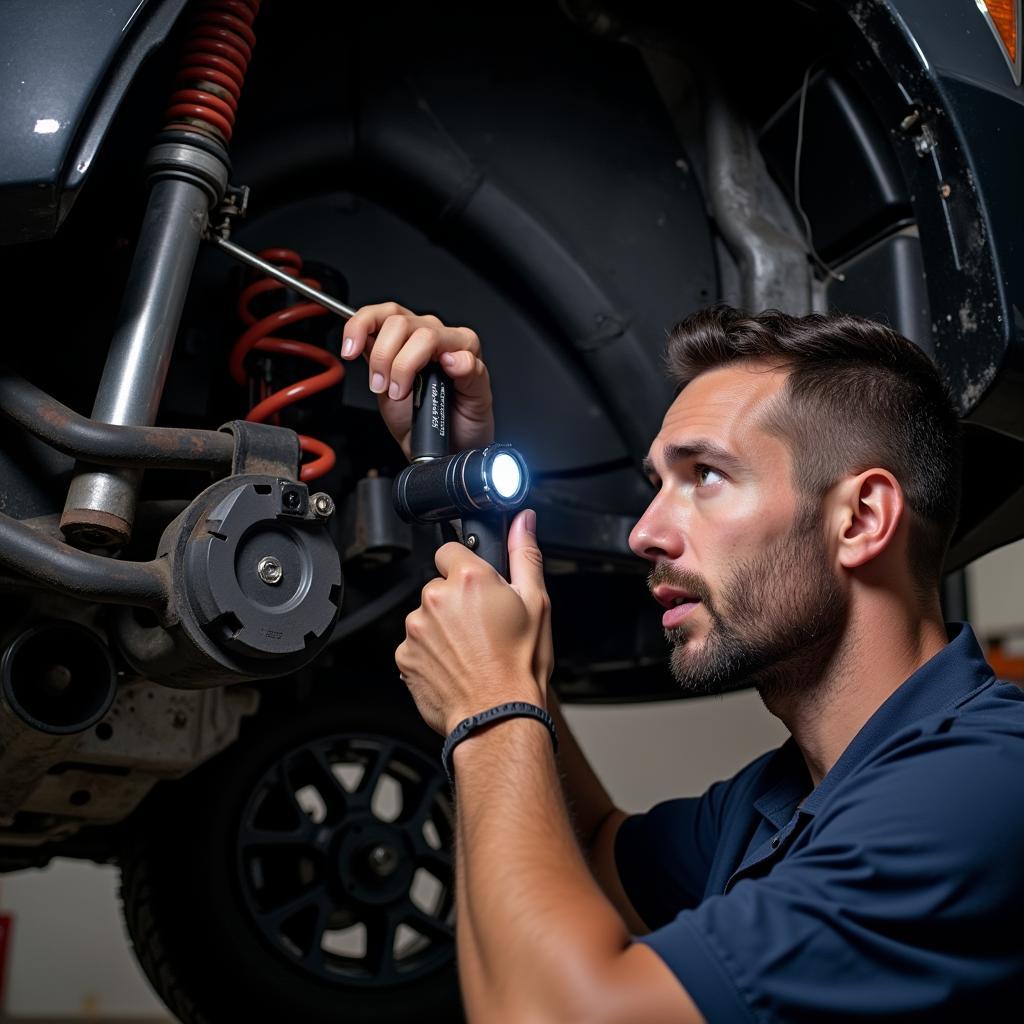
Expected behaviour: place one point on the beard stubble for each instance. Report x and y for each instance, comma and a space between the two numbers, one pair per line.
776, 626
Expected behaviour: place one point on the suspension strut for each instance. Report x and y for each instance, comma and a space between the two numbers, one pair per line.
260, 335
188, 171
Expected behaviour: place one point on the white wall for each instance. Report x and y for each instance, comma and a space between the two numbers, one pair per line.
69, 956
650, 752
995, 585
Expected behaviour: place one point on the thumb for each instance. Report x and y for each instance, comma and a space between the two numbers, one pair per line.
525, 562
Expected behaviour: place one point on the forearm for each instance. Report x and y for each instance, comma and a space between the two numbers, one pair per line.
588, 800
472, 982
542, 932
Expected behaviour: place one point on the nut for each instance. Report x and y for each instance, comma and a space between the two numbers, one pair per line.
323, 505
270, 570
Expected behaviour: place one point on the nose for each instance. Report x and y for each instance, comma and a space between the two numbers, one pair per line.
656, 536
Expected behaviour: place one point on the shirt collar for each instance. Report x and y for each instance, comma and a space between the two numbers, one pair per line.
945, 681
786, 780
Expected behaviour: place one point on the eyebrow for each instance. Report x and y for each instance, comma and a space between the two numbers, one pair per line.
701, 449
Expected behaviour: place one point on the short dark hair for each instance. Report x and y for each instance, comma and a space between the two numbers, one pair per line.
858, 395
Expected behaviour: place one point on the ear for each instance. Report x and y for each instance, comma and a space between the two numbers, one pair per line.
871, 510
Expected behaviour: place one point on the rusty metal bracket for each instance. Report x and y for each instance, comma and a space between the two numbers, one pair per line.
263, 449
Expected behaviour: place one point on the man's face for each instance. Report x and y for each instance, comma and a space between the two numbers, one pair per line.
737, 558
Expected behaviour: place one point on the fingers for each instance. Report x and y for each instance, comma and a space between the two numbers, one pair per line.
453, 558
398, 344
422, 346
365, 324
467, 371
525, 562
526, 569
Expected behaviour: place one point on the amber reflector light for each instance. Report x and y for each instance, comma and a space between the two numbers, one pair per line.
1004, 16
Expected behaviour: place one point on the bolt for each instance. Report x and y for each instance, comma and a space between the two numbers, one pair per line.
270, 570
383, 860
910, 120
925, 142
323, 505
472, 541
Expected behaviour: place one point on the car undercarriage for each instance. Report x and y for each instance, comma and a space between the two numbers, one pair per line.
201, 605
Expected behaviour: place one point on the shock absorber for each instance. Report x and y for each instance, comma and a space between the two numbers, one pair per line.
260, 335
214, 61
188, 172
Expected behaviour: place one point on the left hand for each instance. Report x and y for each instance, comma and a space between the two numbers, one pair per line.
477, 641
397, 344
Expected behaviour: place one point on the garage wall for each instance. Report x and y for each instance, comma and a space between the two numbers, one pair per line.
996, 591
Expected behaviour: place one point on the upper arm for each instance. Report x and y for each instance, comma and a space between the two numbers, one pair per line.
640, 987
662, 858
605, 870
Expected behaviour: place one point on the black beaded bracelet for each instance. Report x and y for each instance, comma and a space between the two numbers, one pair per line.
515, 709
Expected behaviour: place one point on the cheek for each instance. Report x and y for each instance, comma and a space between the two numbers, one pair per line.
739, 525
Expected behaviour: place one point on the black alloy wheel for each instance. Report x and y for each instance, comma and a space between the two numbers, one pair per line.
304, 874
344, 855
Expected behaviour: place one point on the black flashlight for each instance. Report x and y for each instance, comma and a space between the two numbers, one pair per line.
481, 486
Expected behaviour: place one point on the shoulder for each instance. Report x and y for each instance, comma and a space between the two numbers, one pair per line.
951, 787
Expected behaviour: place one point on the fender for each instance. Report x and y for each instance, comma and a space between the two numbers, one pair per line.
63, 82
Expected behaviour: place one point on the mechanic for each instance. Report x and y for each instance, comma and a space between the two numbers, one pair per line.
807, 482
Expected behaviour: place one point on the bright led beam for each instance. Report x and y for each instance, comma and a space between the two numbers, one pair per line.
506, 476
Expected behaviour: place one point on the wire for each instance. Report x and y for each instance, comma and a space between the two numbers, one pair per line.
821, 264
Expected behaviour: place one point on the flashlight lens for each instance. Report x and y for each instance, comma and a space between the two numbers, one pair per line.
506, 476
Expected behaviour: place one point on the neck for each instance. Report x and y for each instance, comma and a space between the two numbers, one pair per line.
880, 648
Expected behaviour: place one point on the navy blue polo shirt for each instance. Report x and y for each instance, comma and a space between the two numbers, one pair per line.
894, 891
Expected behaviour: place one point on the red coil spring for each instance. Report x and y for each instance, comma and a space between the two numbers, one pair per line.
216, 54
259, 336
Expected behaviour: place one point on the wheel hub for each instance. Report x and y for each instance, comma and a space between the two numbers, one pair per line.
374, 862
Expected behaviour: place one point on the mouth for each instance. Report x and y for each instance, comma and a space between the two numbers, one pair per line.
678, 604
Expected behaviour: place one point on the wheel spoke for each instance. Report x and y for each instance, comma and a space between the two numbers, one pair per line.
312, 766
282, 779
422, 800
282, 913
437, 862
315, 954
363, 793
380, 942
304, 836
433, 928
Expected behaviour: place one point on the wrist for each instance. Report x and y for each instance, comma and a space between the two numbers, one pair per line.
514, 729
524, 691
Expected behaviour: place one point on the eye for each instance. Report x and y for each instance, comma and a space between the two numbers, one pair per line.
707, 476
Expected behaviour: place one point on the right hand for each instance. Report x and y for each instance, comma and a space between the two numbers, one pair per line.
397, 345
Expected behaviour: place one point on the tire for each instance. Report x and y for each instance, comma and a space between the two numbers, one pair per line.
285, 819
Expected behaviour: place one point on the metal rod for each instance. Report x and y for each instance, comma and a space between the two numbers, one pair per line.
105, 444
279, 275
45, 560
100, 506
